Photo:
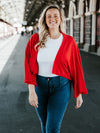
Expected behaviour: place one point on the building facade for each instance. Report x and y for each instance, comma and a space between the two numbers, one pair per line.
83, 23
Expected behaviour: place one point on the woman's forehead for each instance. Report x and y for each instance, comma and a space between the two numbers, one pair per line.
52, 10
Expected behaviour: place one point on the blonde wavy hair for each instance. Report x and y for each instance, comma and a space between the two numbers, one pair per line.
43, 28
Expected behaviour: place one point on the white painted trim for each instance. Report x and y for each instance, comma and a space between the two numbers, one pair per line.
81, 7
93, 5
67, 19
77, 16
87, 14
72, 9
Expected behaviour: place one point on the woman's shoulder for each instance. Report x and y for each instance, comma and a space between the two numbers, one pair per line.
35, 35
34, 38
68, 39
68, 36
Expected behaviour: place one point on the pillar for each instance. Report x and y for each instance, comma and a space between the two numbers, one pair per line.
71, 26
92, 47
93, 36
81, 31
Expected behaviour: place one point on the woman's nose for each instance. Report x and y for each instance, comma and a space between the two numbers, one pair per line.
52, 18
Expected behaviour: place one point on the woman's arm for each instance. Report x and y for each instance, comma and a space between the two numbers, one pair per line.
30, 78
76, 70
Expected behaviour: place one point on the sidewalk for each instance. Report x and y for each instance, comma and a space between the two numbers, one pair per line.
6, 48
94, 53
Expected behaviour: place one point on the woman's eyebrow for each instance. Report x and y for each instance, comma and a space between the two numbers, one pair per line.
54, 14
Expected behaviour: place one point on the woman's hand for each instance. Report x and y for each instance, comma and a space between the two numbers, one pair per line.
33, 99
79, 101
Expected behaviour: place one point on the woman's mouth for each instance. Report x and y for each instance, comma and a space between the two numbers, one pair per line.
53, 22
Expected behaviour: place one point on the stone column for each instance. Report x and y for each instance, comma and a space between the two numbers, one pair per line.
71, 26
72, 12
81, 31
93, 36
93, 29
81, 14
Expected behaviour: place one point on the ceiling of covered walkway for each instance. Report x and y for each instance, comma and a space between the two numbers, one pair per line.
12, 11
17, 11
34, 8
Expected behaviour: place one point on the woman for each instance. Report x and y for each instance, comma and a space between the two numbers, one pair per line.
52, 63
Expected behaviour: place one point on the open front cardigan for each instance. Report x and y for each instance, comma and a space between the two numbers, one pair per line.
67, 63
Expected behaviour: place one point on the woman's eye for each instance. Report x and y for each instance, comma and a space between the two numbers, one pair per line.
49, 16
54, 16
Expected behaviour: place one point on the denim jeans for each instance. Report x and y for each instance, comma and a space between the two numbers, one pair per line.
53, 98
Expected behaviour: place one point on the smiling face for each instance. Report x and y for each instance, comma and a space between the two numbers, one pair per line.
53, 18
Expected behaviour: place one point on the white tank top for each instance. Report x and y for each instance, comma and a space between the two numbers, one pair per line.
46, 56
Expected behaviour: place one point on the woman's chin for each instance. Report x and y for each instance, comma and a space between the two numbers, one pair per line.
53, 27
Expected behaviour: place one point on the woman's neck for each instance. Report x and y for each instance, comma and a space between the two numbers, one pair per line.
54, 33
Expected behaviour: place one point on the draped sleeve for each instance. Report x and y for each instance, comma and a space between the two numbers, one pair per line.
29, 78
76, 70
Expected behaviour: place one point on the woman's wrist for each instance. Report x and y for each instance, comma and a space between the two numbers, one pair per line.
31, 87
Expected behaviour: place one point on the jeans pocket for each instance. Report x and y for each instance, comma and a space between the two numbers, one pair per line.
64, 81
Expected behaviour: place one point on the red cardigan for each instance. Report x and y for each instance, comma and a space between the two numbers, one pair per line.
67, 63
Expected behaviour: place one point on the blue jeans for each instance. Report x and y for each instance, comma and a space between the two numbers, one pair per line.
53, 98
